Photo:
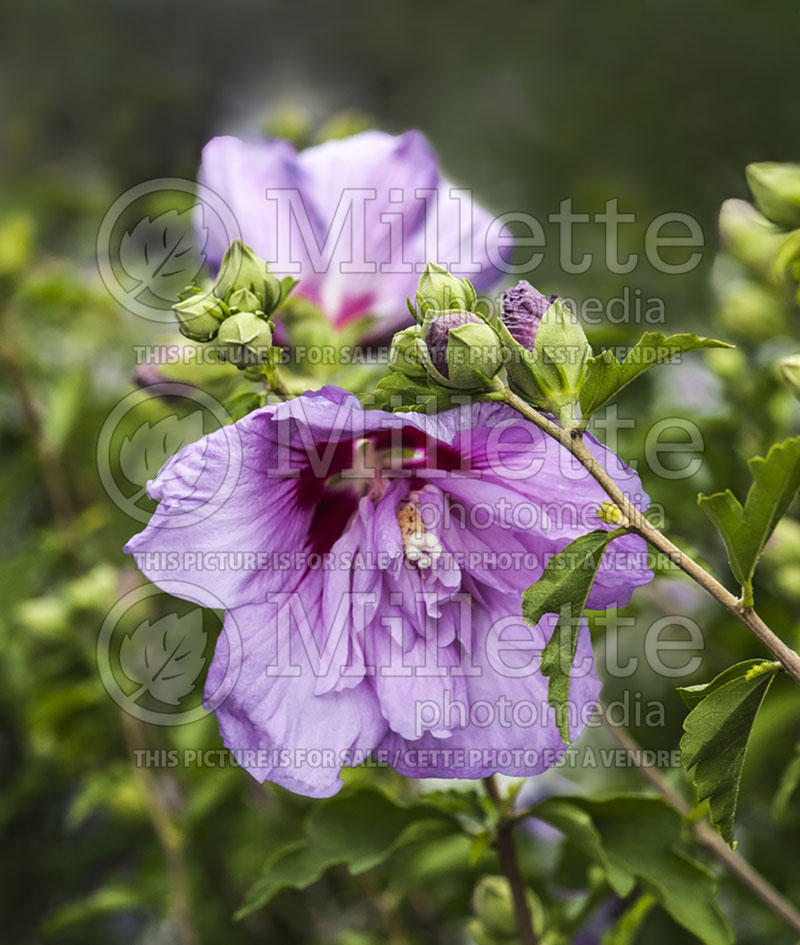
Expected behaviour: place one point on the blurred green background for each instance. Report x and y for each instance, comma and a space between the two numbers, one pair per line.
661, 106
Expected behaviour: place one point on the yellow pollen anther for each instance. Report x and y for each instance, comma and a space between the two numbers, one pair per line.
420, 547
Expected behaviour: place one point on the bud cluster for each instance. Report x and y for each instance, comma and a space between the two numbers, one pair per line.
761, 260
451, 344
234, 310
536, 339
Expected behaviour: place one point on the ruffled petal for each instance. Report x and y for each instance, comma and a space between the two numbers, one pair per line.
503, 723
261, 488
216, 533
236, 508
278, 728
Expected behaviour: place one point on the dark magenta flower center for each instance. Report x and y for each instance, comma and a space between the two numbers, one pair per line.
366, 466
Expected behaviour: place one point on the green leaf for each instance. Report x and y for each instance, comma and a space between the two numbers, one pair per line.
563, 589
567, 577
716, 732
359, 830
64, 407
607, 376
243, 402
107, 900
626, 928
745, 529
790, 780
635, 839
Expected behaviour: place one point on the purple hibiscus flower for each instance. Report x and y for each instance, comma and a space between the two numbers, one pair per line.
354, 219
372, 566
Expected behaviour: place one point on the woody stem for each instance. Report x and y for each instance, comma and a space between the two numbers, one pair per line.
742, 610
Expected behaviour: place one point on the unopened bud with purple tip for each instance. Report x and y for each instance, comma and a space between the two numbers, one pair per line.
462, 350
523, 310
438, 333
545, 350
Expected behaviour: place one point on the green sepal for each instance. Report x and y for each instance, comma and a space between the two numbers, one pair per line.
245, 339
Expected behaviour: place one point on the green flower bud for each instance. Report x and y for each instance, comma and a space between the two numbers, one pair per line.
461, 351
730, 368
562, 349
550, 373
493, 905
200, 316
790, 368
242, 268
438, 291
751, 311
611, 514
243, 300
404, 355
787, 260
244, 339
776, 189
749, 236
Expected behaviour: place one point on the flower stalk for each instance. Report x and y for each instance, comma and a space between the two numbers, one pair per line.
707, 836
742, 610
507, 854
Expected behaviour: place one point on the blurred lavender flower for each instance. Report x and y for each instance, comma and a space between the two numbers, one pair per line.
359, 216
